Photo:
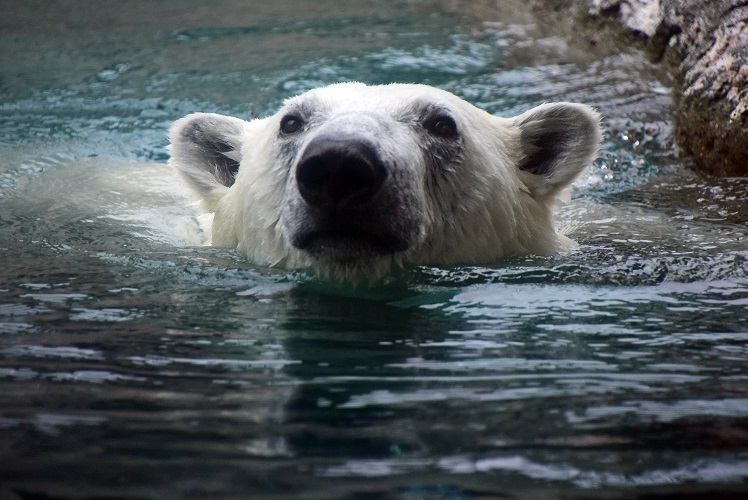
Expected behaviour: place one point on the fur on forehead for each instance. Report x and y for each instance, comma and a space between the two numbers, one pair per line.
353, 96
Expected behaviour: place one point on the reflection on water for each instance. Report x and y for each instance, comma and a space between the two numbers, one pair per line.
136, 363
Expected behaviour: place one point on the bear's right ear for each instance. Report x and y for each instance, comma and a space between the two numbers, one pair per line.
206, 150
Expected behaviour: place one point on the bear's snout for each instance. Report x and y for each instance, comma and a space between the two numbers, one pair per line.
339, 173
343, 205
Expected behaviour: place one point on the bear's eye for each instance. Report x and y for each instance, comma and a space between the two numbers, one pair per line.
441, 125
291, 124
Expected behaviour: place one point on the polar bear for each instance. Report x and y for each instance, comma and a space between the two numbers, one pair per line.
356, 180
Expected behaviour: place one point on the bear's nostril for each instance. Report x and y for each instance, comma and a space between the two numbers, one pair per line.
339, 174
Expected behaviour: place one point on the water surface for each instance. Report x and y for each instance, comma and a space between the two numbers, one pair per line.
137, 363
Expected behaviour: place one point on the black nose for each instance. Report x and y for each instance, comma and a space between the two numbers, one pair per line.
339, 173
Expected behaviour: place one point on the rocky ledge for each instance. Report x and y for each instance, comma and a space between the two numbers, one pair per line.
709, 41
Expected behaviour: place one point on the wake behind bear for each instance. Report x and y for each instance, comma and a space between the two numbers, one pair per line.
355, 180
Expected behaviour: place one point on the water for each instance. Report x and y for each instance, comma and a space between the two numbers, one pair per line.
136, 363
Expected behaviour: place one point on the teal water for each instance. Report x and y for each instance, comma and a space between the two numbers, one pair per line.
136, 363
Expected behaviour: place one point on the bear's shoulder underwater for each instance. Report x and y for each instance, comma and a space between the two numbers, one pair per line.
355, 180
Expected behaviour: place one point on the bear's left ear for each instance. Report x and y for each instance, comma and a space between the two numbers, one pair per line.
206, 150
557, 142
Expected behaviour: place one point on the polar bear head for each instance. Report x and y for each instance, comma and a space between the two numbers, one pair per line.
354, 180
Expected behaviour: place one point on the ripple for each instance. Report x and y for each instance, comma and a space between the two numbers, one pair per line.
52, 424
104, 315
37, 351
92, 377
658, 411
153, 360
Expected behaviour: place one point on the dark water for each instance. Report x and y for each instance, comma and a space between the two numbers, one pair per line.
135, 363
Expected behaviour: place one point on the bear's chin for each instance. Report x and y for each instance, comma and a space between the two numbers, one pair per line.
348, 247
351, 255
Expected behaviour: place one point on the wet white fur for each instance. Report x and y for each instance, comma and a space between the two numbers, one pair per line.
502, 211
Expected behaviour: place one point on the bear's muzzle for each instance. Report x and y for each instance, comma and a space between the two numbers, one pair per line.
346, 209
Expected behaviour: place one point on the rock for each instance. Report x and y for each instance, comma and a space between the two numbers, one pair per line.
710, 42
